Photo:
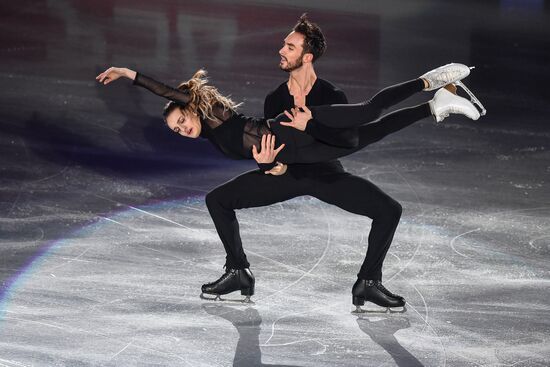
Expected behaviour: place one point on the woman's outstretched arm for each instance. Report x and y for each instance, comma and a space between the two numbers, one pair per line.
112, 74
179, 96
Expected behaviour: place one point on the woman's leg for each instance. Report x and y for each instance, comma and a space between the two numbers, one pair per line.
351, 115
372, 132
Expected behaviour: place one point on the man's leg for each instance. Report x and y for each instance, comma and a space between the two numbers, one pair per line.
360, 196
251, 189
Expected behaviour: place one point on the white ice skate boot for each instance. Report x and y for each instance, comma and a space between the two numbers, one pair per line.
444, 103
451, 73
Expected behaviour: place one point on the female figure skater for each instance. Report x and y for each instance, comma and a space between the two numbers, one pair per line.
316, 134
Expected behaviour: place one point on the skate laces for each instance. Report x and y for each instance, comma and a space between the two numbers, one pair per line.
448, 75
385, 290
225, 275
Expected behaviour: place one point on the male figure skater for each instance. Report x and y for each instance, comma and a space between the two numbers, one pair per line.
327, 181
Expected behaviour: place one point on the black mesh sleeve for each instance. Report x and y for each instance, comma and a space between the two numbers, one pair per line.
179, 96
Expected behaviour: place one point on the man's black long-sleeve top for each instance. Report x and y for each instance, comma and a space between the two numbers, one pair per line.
322, 93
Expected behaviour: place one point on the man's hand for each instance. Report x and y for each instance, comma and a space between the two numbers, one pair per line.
278, 170
298, 119
267, 153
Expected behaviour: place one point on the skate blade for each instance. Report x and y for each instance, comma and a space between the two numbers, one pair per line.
379, 310
218, 298
473, 98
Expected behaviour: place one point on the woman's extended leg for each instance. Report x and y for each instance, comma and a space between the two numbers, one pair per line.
372, 132
351, 115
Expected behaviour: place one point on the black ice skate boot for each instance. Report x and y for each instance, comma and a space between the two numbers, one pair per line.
233, 280
373, 291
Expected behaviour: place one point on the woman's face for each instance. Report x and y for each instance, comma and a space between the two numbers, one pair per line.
185, 123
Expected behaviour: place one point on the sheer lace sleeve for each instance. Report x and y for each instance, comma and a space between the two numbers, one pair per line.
177, 95
221, 115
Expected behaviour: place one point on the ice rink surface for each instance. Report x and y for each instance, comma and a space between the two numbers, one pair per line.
106, 240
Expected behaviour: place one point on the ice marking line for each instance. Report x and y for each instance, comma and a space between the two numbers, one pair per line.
520, 361
426, 323
159, 217
69, 261
295, 314
122, 350
329, 234
36, 322
12, 363
457, 237
397, 257
247, 221
297, 342
532, 242
435, 332
293, 268
123, 225
114, 221
423, 301
148, 213
51, 176
519, 210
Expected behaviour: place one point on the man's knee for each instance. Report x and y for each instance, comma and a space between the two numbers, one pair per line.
394, 209
214, 199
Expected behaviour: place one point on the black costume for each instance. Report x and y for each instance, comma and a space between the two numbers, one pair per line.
326, 180
336, 130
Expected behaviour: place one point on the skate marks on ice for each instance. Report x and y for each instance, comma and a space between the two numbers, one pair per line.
149, 280
459, 236
117, 286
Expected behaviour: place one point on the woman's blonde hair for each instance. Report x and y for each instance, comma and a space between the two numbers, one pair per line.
204, 97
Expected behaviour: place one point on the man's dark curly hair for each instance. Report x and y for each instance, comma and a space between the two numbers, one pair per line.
314, 40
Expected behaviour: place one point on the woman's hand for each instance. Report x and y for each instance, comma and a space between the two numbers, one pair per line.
278, 170
298, 119
267, 153
113, 74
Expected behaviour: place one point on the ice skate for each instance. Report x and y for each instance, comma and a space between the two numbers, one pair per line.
451, 73
446, 74
445, 103
373, 291
233, 280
